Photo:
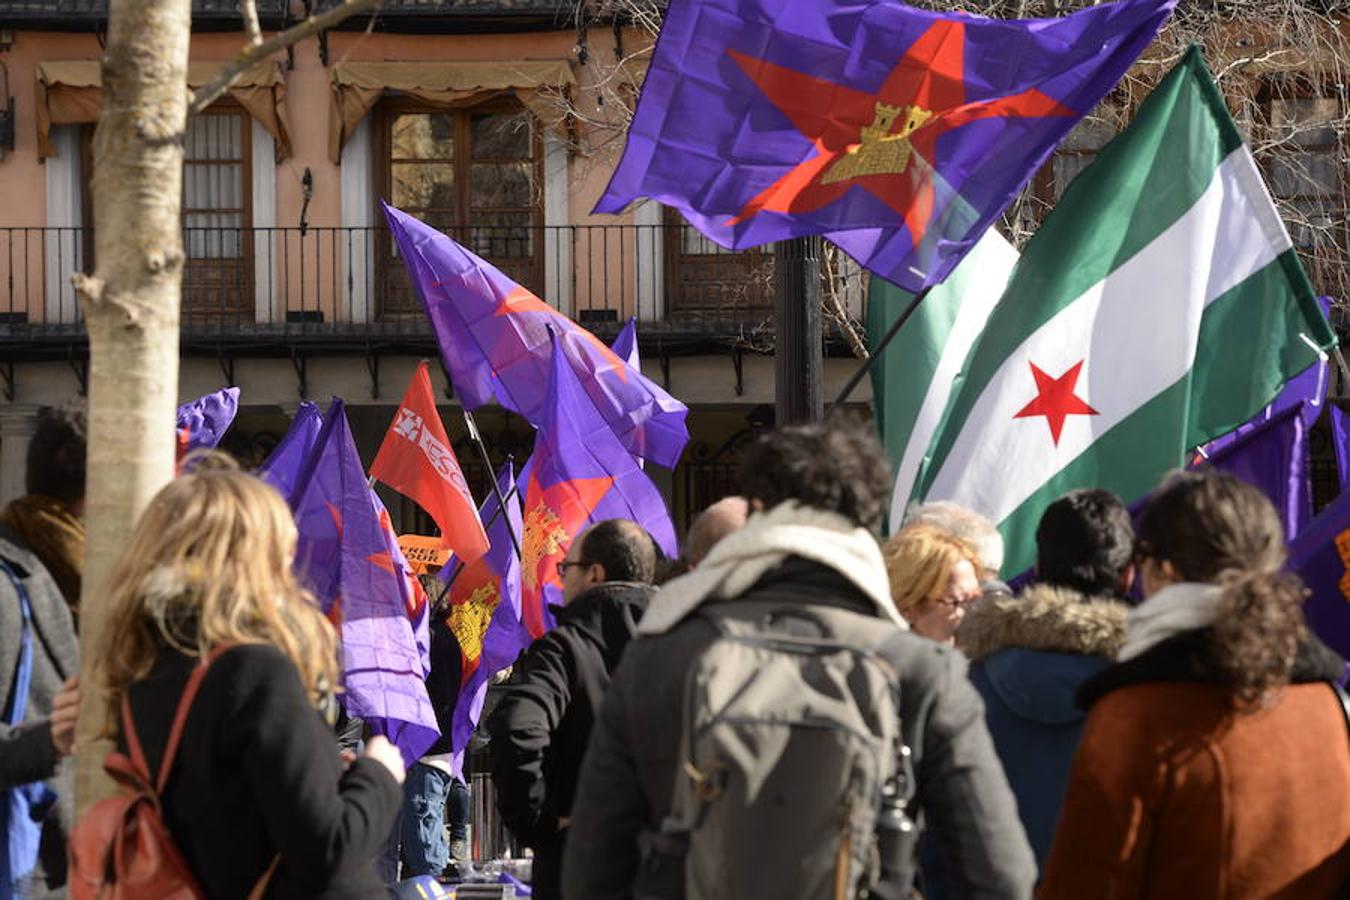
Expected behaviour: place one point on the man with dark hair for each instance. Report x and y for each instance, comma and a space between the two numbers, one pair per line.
540, 729
805, 571
49, 519
1030, 654
41, 559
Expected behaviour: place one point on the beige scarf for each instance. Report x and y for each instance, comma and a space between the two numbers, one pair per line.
740, 559
55, 535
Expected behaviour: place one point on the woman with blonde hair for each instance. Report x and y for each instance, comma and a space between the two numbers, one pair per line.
933, 579
257, 788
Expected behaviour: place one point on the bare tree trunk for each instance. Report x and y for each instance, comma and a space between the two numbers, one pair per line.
131, 309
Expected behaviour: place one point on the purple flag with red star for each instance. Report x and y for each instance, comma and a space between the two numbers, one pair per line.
484, 613
900, 134
283, 465
578, 474
344, 557
494, 339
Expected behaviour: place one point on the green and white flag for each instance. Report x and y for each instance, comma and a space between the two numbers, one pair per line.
912, 381
1160, 305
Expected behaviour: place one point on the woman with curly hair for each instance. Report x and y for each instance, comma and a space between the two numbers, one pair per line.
257, 788
933, 577
1215, 760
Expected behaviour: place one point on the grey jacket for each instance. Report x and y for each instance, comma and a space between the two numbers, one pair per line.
628, 773
26, 751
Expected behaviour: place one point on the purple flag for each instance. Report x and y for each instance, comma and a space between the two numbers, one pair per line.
1321, 557
484, 614
578, 474
494, 339
344, 558
1273, 456
898, 133
283, 465
625, 344
204, 421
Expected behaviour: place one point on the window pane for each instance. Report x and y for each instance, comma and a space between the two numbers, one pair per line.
1304, 175
502, 135
692, 242
502, 235
1065, 168
501, 184
1305, 120
424, 185
424, 136
1312, 224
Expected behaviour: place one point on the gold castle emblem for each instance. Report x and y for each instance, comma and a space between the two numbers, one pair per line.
544, 536
878, 151
469, 620
1343, 550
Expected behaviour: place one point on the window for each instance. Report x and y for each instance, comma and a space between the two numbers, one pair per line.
475, 174
708, 282
218, 277
1304, 169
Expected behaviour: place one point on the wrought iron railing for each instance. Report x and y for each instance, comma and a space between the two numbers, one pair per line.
350, 281
77, 14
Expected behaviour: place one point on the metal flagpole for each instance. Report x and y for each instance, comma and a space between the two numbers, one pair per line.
881, 346
496, 488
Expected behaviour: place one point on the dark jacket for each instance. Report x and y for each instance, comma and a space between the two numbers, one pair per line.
629, 770
1028, 658
543, 722
1174, 793
258, 773
443, 681
26, 751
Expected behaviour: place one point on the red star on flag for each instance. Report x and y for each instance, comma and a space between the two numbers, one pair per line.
1056, 400
923, 98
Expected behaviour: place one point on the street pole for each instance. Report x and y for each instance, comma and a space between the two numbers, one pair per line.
799, 361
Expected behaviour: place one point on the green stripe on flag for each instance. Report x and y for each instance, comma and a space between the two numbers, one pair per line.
1140, 183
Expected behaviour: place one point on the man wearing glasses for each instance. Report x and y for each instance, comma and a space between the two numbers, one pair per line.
540, 729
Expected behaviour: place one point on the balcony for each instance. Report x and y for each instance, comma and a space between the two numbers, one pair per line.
461, 16
278, 291
92, 15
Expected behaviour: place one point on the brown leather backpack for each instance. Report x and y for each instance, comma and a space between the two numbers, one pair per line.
121, 848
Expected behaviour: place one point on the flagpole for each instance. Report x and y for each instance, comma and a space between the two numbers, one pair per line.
879, 348
492, 520
487, 461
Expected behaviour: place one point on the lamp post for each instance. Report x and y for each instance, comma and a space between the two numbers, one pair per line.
798, 347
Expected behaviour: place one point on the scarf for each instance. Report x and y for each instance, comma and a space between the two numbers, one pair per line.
1180, 607
742, 558
56, 537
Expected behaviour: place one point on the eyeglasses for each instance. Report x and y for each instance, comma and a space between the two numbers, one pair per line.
566, 564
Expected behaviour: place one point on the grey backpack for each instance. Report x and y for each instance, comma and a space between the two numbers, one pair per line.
791, 761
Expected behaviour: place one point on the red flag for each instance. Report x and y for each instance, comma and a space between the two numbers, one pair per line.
416, 460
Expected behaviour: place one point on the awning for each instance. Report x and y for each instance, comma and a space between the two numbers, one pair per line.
358, 86
71, 92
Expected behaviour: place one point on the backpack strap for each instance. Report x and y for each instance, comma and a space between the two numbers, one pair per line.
180, 715
23, 671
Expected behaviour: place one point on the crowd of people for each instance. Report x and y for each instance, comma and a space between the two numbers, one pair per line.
796, 708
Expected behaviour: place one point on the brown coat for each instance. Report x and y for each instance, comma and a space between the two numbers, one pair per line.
1173, 794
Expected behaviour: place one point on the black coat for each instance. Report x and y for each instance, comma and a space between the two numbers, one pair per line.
542, 724
443, 681
629, 773
258, 773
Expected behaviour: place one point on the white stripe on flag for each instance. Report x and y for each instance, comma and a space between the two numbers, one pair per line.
1135, 332
978, 294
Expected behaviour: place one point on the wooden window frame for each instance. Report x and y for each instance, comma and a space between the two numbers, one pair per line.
383, 116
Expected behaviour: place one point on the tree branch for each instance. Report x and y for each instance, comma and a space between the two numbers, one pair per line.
212, 91
249, 10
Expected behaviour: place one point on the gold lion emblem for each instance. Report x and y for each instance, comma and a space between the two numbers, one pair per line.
469, 620
1343, 550
878, 152
544, 536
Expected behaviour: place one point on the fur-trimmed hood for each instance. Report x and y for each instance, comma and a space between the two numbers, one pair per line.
1055, 619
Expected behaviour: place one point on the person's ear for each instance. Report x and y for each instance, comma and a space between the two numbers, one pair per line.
596, 573
756, 505
1126, 579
